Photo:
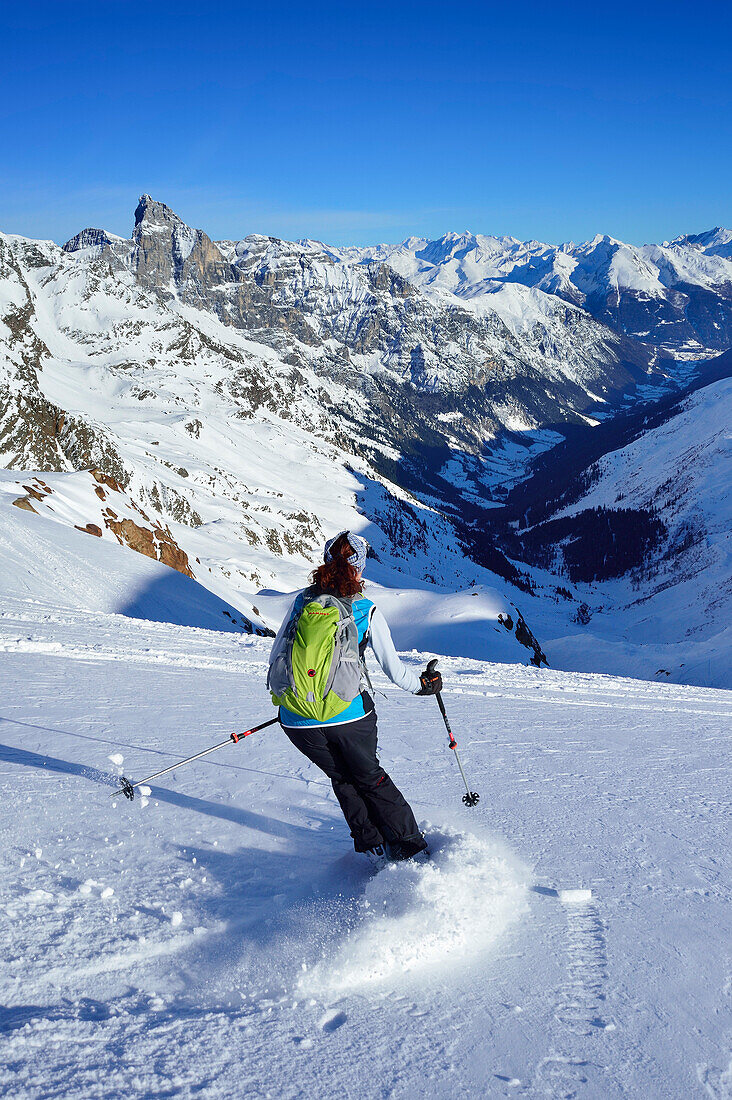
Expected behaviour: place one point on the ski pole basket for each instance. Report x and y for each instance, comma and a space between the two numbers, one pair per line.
470, 798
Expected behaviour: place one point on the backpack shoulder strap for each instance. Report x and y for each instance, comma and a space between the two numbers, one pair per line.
344, 604
362, 649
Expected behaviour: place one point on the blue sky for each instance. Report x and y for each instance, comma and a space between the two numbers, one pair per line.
358, 123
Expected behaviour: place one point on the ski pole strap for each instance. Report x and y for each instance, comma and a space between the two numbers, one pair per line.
236, 737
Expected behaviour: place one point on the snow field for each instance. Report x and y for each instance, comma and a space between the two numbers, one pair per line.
223, 939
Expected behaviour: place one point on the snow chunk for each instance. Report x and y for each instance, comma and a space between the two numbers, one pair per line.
117, 758
575, 897
39, 895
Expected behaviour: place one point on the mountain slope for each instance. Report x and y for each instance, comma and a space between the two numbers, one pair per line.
252, 397
643, 534
52, 565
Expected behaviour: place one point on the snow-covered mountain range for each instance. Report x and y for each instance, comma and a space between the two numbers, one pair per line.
676, 295
249, 397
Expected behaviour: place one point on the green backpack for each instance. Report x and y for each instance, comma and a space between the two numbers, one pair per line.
315, 667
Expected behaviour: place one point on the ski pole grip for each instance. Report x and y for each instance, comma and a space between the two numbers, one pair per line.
438, 696
237, 737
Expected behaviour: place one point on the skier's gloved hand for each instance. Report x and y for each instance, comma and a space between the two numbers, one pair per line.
431, 682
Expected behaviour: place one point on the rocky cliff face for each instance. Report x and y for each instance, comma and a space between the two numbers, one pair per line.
127, 522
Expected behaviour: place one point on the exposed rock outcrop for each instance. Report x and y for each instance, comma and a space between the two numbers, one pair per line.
154, 542
126, 521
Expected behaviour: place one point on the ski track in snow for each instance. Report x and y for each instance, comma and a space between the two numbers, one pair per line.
218, 938
582, 1005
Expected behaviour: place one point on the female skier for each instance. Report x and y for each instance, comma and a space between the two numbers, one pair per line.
382, 823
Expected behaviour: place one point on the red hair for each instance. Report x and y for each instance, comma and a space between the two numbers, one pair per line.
337, 576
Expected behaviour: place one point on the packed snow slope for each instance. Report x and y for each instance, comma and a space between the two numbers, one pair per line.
217, 937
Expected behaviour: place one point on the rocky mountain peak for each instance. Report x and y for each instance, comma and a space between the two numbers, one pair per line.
168, 253
90, 238
601, 241
149, 212
448, 246
714, 242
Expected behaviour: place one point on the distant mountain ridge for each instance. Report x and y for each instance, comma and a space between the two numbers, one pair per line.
676, 296
378, 364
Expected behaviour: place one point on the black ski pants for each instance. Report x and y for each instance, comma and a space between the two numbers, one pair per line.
373, 806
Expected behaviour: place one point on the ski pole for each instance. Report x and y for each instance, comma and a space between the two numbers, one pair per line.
128, 788
470, 798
